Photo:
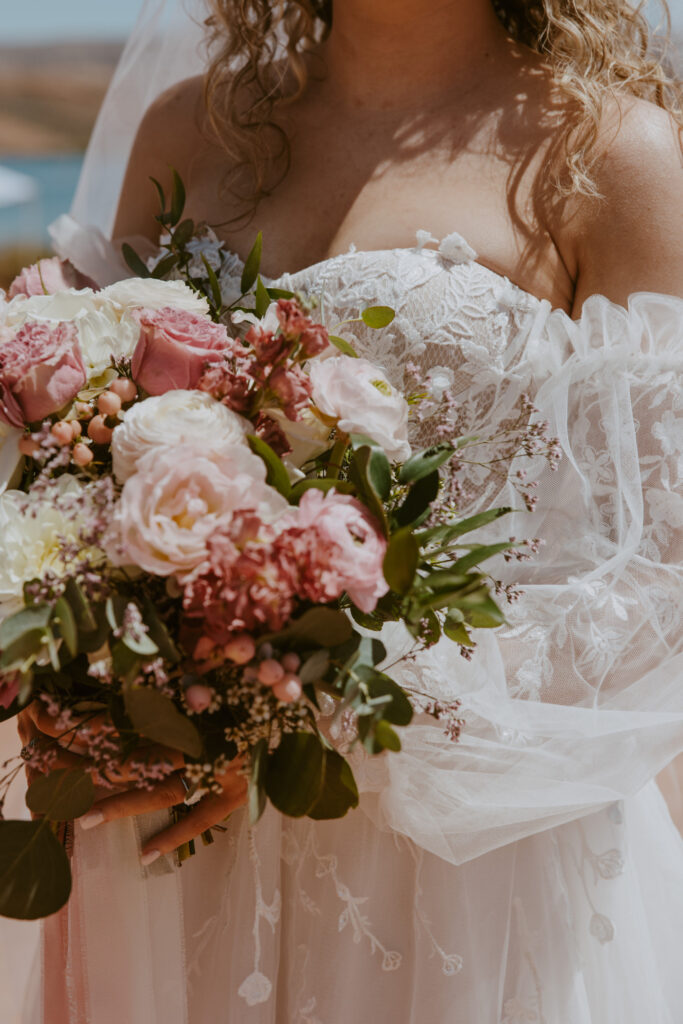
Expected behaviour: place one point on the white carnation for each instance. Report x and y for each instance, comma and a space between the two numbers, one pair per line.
29, 541
150, 293
177, 417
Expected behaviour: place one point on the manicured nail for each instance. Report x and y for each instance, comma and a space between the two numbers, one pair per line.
91, 819
149, 857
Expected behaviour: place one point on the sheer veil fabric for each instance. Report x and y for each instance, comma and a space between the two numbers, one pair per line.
529, 874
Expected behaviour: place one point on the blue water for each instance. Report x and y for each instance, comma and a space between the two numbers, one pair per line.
56, 178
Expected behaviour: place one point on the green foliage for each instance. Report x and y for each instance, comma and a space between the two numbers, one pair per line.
339, 792
35, 879
344, 346
62, 795
378, 316
320, 483
276, 472
418, 500
156, 717
256, 792
252, 265
425, 462
136, 264
296, 773
320, 625
401, 560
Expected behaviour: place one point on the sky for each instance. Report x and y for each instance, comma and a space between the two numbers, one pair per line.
51, 20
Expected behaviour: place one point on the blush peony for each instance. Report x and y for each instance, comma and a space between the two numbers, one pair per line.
41, 369
48, 276
358, 395
174, 347
178, 417
178, 497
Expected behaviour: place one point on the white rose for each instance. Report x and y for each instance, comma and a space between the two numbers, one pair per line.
177, 498
359, 396
10, 457
104, 329
150, 293
177, 417
29, 545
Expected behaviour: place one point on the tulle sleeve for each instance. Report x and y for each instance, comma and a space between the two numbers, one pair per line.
578, 701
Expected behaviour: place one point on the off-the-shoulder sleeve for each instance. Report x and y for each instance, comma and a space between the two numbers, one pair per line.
578, 701
89, 250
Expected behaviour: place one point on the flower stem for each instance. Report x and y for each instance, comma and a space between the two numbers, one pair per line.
337, 456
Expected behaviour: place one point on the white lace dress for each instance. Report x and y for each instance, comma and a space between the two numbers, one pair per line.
529, 874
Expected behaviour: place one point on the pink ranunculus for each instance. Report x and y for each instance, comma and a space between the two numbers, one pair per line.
174, 347
338, 547
178, 496
47, 277
41, 369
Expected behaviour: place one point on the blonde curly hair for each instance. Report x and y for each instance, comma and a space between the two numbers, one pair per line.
594, 48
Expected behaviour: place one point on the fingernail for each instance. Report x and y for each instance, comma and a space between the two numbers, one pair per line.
149, 857
91, 819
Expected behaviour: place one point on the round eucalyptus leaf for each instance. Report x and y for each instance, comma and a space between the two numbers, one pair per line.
295, 773
339, 793
156, 717
35, 879
62, 795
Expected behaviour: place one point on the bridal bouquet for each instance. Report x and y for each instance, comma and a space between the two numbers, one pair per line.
200, 530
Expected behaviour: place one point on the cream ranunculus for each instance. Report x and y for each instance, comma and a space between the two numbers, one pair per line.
175, 418
150, 293
177, 498
358, 395
29, 541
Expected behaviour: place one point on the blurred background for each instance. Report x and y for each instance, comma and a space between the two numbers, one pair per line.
56, 59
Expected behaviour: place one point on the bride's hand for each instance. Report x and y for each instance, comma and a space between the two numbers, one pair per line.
125, 801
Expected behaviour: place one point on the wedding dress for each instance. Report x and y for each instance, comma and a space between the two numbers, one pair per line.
527, 874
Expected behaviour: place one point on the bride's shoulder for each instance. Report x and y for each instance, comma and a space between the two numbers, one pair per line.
172, 131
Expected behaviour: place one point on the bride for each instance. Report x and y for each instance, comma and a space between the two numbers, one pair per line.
509, 179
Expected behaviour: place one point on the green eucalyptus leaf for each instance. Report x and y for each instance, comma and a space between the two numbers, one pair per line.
399, 710
252, 265
142, 645
177, 198
261, 299
315, 666
378, 316
422, 463
165, 266
369, 620
155, 716
321, 483
370, 651
35, 879
317, 626
125, 663
256, 792
80, 606
66, 621
401, 560
418, 500
296, 773
485, 615
479, 555
364, 482
35, 617
25, 647
62, 795
160, 193
159, 633
339, 793
136, 264
344, 346
183, 233
385, 736
276, 472
214, 284
442, 535
280, 293
457, 632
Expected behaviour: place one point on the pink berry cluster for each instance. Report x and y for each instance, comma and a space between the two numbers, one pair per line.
279, 673
99, 426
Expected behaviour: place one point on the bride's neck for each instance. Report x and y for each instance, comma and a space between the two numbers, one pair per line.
397, 53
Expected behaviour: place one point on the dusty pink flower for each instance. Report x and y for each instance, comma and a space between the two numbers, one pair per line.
41, 369
296, 326
293, 388
337, 546
272, 433
174, 347
268, 347
47, 277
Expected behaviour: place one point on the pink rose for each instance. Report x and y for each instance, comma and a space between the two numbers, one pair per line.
41, 369
174, 348
178, 497
338, 547
47, 277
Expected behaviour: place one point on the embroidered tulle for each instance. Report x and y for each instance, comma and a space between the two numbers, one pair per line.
529, 874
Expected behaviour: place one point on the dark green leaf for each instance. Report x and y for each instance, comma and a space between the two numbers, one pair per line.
280, 293
183, 233
457, 632
165, 266
369, 620
125, 663
160, 193
485, 615
378, 684
214, 284
159, 633
370, 651
418, 500
62, 795
80, 606
343, 346
35, 880
442, 535
276, 474
252, 265
385, 736
35, 617
425, 462
66, 621
296, 773
319, 484
138, 266
479, 555
378, 316
339, 793
359, 473
177, 198
261, 299
256, 794
319, 626
400, 561
156, 717
24, 647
